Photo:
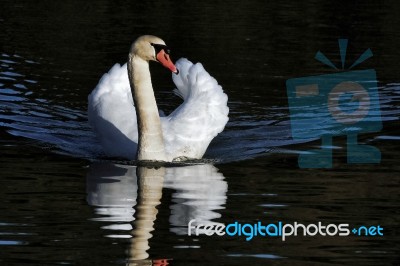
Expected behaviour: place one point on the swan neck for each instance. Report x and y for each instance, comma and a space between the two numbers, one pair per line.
151, 142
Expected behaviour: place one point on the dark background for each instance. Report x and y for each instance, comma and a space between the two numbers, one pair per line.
53, 53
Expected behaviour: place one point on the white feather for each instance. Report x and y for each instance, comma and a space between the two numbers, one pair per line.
187, 131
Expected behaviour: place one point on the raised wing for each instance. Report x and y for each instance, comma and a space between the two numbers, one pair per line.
204, 113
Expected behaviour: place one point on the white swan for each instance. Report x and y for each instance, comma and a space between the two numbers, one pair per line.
131, 127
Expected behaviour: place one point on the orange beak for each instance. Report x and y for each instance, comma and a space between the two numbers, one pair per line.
164, 59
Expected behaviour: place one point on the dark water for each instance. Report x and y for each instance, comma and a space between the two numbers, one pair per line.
62, 203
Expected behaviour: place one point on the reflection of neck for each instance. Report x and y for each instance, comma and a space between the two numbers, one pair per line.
151, 142
150, 193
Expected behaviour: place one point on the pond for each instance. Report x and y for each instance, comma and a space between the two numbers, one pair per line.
62, 202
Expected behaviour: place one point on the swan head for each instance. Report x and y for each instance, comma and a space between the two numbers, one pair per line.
152, 48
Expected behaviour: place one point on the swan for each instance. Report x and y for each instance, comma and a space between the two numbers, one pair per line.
123, 112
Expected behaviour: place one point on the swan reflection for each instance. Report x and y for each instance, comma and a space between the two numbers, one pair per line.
127, 198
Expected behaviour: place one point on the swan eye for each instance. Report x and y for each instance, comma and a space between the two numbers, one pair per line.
159, 47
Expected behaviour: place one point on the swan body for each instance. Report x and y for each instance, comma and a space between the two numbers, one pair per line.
123, 112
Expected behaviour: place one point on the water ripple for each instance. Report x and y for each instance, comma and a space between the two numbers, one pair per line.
66, 130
